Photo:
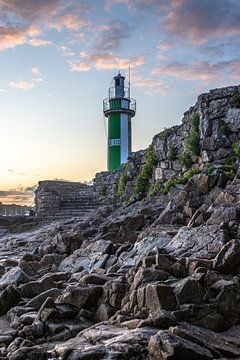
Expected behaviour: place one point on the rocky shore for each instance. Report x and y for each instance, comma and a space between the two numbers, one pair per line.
153, 276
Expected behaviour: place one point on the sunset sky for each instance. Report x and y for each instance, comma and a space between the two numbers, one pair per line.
57, 60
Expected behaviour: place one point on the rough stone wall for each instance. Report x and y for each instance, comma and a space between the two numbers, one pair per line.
53, 196
105, 186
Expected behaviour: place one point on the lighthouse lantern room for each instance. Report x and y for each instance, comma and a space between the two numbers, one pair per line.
119, 109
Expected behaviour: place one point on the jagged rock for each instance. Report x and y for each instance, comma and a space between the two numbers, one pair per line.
38, 300
34, 288
165, 345
104, 312
14, 276
82, 296
29, 353
220, 345
160, 296
144, 245
227, 260
162, 319
148, 275
91, 256
203, 241
188, 291
9, 297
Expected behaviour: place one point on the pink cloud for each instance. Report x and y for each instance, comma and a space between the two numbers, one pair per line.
199, 21
68, 21
22, 85
13, 36
32, 17
102, 61
149, 84
202, 71
35, 70
39, 42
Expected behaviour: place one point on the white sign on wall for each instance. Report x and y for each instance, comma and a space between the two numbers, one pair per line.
114, 142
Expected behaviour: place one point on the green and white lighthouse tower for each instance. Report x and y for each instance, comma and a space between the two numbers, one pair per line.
119, 108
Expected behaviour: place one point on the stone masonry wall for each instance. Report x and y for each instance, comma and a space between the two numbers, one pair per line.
56, 198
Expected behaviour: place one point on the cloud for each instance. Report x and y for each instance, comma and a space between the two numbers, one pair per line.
39, 42
110, 3
22, 84
18, 196
30, 9
165, 45
65, 51
198, 21
104, 61
112, 34
21, 21
149, 84
202, 70
13, 36
35, 70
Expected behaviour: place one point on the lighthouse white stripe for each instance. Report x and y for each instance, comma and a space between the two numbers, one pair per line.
124, 138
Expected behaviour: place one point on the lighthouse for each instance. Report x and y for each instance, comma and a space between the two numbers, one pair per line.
119, 109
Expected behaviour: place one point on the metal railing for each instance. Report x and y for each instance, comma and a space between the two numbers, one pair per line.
119, 104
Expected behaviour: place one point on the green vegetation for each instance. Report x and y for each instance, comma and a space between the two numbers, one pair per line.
171, 154
142, 180
155, 188
193, 139
236, 149
227, 169
180, 180
224, 128
235, 101
166, 132
164, 188
122, 182
186, 159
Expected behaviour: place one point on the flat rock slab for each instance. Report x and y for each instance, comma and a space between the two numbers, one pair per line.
4, 324
203, 241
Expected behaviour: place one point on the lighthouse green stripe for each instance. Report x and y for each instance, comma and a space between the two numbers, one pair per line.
114, 126
114, 132
114, 157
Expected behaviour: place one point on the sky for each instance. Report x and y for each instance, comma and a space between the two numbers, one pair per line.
57, 61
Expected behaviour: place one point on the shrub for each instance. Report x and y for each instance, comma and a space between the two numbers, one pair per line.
168, 184
122, 182
171, 154
193, 139
155, 188
224, 128
230, 160
193, 143
211, 168
235, 101
227, 169
142, 180
236, 149
186, 159
181, 180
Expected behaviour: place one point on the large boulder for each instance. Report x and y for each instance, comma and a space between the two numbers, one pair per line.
160, 296
189, 290
227, 260
9, 298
